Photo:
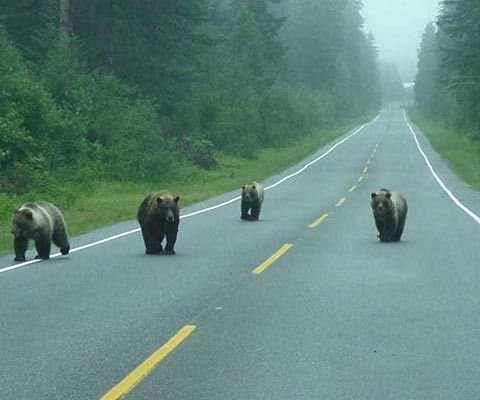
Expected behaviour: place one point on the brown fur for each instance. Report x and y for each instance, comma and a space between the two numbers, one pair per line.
251, 202
390, 212
159, 216
42, 222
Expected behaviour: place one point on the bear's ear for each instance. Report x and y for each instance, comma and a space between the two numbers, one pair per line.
374, 195
388, 195
28, 214
176, 199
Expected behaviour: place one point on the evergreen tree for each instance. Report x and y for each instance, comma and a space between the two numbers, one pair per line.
218, 74
268, 25
313, 36
461, 55
360, 82
152, 44
426, 80
27, 23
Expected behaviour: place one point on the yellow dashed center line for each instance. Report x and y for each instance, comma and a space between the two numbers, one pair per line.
323, 217
270, 260
341, 201
318, 221
139, 373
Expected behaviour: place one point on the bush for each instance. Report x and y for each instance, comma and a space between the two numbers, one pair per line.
240, 125
290, 113
105, 122
23, 125
198, 150
244, 120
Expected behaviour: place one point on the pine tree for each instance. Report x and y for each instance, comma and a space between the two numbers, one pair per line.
426, 81
458, 20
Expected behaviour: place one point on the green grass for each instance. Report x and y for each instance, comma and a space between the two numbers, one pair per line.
110, 202
457, 148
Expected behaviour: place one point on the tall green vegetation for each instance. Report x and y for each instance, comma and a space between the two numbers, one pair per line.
448, 79
67, 122
329, 52
151, 90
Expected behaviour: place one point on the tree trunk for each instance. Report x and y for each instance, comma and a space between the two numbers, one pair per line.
65, 21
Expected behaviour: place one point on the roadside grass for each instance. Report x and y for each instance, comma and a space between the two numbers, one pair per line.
460, 151
106, 203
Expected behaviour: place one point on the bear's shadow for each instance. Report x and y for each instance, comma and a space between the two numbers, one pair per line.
395, 243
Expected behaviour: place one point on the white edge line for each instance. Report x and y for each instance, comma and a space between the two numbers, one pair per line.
437, 178
204, 210
317, 159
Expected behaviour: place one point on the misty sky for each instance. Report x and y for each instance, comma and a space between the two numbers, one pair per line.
398, 26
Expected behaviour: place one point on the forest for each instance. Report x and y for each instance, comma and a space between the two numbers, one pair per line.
447, 86
147, 90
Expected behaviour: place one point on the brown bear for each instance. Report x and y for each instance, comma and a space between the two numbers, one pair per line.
251, 202
390, 212
42, 222
159, 216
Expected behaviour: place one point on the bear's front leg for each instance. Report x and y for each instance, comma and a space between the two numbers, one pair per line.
65, 249
255, 212
245, 207
20, 245
171, 239
153, 248
152, 245
388, 234
379, 224
43, 245
384, 238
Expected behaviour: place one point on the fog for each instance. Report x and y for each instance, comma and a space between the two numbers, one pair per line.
398, 26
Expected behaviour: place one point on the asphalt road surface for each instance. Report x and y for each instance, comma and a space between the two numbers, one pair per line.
332, 313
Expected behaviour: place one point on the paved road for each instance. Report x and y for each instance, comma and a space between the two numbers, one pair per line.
339, 315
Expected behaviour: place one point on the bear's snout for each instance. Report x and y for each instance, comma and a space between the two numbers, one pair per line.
170, 217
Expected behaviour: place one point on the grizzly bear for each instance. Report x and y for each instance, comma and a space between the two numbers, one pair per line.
251, 202
42, 222
390, 212
159, 216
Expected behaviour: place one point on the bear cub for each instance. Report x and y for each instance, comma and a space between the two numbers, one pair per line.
251, 202
159, 216
390, 212
42, 222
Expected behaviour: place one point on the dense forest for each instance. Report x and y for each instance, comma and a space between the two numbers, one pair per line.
141, 90
447, 85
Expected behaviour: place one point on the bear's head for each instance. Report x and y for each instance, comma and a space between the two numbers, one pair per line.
381, 203
249, 192
167, 207
22, 222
